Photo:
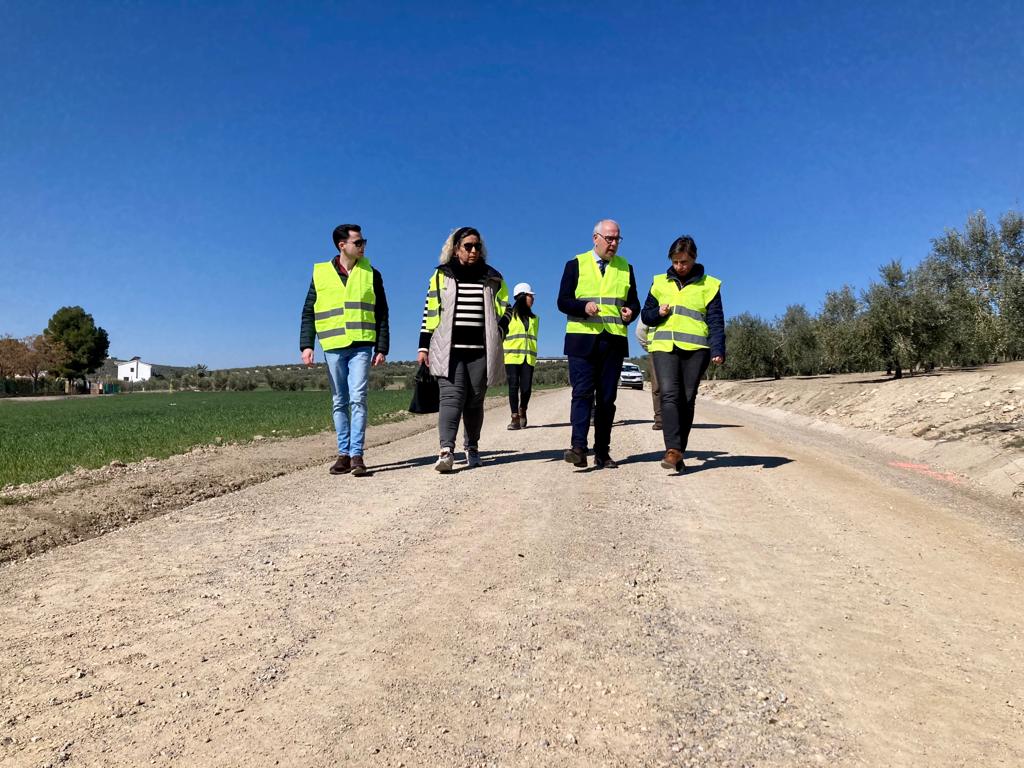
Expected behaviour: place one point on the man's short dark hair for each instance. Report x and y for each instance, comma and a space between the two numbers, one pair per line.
342, 231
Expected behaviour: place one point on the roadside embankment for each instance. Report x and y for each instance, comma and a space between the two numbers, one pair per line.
966, 422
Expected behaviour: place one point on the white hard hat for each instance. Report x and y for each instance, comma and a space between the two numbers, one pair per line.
522, 288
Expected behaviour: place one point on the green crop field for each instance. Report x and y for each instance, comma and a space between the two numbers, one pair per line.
40, 440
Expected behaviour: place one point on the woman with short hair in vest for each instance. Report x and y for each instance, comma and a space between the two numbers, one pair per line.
465, 317
686, 325
521, 353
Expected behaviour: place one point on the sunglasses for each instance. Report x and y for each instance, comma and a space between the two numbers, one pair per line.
360, 242
470, 247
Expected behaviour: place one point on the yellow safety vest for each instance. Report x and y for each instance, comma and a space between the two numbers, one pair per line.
686, 325
521, 342
608, 291
344, 312
432, 311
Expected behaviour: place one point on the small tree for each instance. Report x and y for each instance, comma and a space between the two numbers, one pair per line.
799, 341
43, 356
84, 343
754, 347
889, 318
13, 353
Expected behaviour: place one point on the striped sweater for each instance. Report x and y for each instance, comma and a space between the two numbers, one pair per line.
468, 323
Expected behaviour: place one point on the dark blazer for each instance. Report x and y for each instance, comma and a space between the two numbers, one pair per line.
715, 315
581, 344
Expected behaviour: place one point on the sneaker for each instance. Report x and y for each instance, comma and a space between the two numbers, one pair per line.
576, 456
473, 458
445, 461
673, 459
358, 467
341, 466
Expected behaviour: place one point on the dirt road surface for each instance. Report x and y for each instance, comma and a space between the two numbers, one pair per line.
794, 599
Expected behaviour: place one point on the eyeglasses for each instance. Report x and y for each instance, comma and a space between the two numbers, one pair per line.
610, 240
478, 247
361, 242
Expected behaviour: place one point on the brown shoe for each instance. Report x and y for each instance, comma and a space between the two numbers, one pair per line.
522, 418
656, 425
342, 466
358, 467
576, 456
514, 424
605, 462
673, 459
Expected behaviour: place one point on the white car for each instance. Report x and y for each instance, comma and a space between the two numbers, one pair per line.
631, 376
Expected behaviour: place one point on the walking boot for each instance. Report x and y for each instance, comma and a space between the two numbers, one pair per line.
358, 467
522, 418
673, 459
514, 424
576, 456
341, 466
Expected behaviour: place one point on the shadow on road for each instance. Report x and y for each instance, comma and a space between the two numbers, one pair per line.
616, 423
716, 426
712, 460
489, 457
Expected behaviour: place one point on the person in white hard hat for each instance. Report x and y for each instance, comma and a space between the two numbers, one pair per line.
521, 353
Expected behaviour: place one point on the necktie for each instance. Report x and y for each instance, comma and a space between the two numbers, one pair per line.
601, 265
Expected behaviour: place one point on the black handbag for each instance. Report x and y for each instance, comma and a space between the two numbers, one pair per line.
426, 395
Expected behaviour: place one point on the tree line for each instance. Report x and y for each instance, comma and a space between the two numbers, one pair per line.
71, 347
963, 305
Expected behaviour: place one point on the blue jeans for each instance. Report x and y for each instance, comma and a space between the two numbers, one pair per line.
348, 370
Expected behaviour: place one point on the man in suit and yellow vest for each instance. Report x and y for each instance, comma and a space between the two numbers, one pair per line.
346, 309
598, 296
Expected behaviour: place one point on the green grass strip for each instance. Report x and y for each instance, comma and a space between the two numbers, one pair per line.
40, 440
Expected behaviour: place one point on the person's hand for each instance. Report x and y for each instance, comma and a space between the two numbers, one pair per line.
591, 308
717, 359
627, 314
423, 358
307, 357
664, 309
378, 359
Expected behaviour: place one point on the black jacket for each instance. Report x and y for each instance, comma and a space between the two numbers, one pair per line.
307, 330
715, 317
581, 344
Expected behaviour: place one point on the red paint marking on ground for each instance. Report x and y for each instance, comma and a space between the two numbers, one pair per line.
924, 469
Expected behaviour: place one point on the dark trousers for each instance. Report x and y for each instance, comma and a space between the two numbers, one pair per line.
462, 397
520, 385
679, 374
655, 389
596, 374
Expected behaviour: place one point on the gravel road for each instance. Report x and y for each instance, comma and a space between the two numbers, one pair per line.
792, 600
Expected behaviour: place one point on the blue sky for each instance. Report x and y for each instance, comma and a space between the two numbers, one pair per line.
176, 168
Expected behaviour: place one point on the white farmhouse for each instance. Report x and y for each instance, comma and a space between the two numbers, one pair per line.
134, 370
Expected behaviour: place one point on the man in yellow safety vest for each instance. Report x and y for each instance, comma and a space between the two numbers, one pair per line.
346, 309
598, 295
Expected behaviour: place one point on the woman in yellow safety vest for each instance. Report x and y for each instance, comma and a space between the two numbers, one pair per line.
521, 353
465, 316
686, 325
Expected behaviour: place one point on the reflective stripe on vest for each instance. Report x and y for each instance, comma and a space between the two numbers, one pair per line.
608, 291
344, 312
686, 325
521, 343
